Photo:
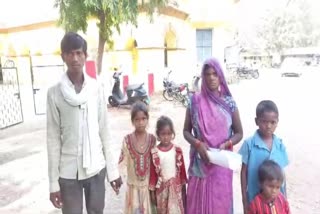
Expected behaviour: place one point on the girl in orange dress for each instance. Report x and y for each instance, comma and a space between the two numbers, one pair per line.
136, 157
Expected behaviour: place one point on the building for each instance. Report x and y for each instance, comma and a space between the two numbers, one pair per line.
180, 38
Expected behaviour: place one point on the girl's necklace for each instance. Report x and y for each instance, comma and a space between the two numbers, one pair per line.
141, 144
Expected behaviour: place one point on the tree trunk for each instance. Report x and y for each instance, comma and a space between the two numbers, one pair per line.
101, 44
102, 40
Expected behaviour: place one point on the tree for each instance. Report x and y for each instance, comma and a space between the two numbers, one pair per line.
74, 15
283, 26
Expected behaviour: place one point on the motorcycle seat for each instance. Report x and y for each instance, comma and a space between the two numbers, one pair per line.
134, 86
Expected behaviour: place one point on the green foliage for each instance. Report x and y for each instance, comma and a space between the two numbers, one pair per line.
74, 14
110, 14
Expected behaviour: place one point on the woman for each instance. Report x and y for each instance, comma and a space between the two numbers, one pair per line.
212, 121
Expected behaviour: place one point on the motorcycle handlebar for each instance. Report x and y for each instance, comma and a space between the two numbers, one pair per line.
116, 74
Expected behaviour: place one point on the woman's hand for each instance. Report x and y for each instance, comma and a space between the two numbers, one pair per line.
202, 150
226, 146
198, 145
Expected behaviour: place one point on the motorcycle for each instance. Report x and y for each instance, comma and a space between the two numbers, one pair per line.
247, 73
168, 92
184, 94
132, 94
173, 91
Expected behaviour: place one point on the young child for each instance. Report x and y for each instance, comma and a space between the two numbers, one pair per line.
261, 146
136, 156
270, 200
167, 174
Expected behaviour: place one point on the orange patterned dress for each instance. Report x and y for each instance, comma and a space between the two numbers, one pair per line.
137, 167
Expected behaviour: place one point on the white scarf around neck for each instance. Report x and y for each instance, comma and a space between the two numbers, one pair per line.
88, 100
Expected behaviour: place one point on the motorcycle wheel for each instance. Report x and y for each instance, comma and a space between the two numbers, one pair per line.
241, 75
178, 96
255, 74
167, 96
112, 102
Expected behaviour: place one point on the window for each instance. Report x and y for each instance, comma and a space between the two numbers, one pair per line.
204, 44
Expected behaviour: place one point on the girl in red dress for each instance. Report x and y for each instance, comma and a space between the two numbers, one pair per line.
167, 174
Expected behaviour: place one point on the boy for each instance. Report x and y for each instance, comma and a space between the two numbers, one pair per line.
78, 139
261, 146
270, 200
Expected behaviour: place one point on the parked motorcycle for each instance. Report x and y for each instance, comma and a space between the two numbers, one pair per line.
177, 92
168, 92
247, 73
185, 94
132, 94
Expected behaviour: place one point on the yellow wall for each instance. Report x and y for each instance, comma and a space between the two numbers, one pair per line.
151, 39
179, 30
44, 40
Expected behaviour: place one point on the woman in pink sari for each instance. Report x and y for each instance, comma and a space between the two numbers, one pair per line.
212, 121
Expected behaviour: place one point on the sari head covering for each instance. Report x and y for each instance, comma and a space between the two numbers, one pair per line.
210, 110
214, 63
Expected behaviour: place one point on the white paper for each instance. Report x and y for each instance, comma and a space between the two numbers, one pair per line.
224, 158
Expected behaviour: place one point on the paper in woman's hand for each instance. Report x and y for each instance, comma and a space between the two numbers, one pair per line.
224, 158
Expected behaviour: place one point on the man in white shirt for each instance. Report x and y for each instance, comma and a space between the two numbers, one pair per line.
80, 151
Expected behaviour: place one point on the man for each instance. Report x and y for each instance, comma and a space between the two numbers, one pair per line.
78, 139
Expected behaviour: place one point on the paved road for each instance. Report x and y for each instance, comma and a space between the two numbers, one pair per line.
23, 161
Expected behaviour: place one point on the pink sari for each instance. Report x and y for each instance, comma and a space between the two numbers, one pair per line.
210, 186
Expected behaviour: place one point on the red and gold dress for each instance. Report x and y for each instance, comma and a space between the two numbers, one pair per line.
137, 167
167, 176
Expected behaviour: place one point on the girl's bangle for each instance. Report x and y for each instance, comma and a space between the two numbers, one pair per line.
197, 144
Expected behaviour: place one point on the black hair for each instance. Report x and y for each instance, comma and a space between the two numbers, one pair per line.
162, 122
73, 41
206, 67
137, 107
269, 170
266, 106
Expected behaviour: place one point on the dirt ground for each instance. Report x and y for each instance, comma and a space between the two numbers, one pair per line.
23, 158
